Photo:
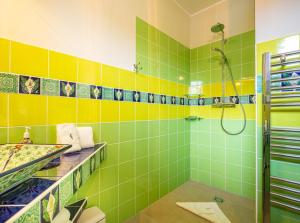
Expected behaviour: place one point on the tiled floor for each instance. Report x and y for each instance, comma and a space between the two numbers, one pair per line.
236, 208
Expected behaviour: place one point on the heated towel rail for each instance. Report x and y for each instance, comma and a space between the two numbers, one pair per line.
281, 91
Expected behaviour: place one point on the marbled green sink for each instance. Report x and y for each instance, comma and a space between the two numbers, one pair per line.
18, 162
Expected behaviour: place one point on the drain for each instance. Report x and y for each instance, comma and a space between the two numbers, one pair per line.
218, 199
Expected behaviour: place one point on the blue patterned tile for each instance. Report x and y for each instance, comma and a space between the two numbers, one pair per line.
108, 93
128, 95
201, 101
181, 101
136, 96
118, 94
234, 99
177, 100
252, 99
157, 99
193, 102
186, 101
144, 97
216, 100
9, 83
163, 99
150, 98
67, 89
83, 91
29, 85
208, 101
244, 99
50, 206
95, 92
168, 100
173, 100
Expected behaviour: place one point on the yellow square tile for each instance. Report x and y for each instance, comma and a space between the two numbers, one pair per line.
127, 111
206, 90
63, 66
163, 112
180, 111
181, 90
110, 76
27, 110
3, 109
164, 84
154, 85
173, 111
248, 87
172, 88
229, 90
110, 111
29, 60
141, 111
4, 55
216, 90
61, 110
141, 82
89, 72
153, 111
88, 110
127, 79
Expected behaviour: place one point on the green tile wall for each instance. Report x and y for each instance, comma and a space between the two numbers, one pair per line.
144, 161
223, 161
160, 55
240, 50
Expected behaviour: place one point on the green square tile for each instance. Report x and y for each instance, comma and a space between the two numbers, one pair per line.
126, 191
141, 201
234, 156
163, 158
111, 155
50, 87
3, 135
126, 151
248, 175
142, 185
127, 131
154, 162
233, 43
248, 39
126, 210
82, 90
110, 132
218, 181
126, 171
153, 128
234, 186
249, 159
109, 199
153, 34
248, 54
153, 145
9, 83
163, 188
51, 134
163, 143
66, 190
141, 166
141, 28
109, 177
141, 148
234, 172
153, 195
32, 215
144, 63
108, 93
218, 167
142, 46
153, 179
248, 190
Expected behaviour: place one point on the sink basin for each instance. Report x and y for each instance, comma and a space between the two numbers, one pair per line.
18, 162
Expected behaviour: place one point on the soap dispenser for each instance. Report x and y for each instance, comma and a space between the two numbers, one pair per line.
26, 136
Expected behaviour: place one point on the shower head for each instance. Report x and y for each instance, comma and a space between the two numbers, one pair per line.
219, 27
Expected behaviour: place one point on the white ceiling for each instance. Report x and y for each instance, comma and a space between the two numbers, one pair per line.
193, 6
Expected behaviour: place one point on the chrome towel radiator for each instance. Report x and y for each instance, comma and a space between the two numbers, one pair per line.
280, 90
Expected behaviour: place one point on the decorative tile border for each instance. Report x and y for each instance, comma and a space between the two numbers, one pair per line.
12, 83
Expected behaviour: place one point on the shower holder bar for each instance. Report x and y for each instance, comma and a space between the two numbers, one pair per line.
289, 147
285, 105
285, 54
284, 129
285, 63
285, 79
285, 88
285, 180
285, 138
284, 155
285, 96
282, 196
288, 189
285, 71
284, 205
